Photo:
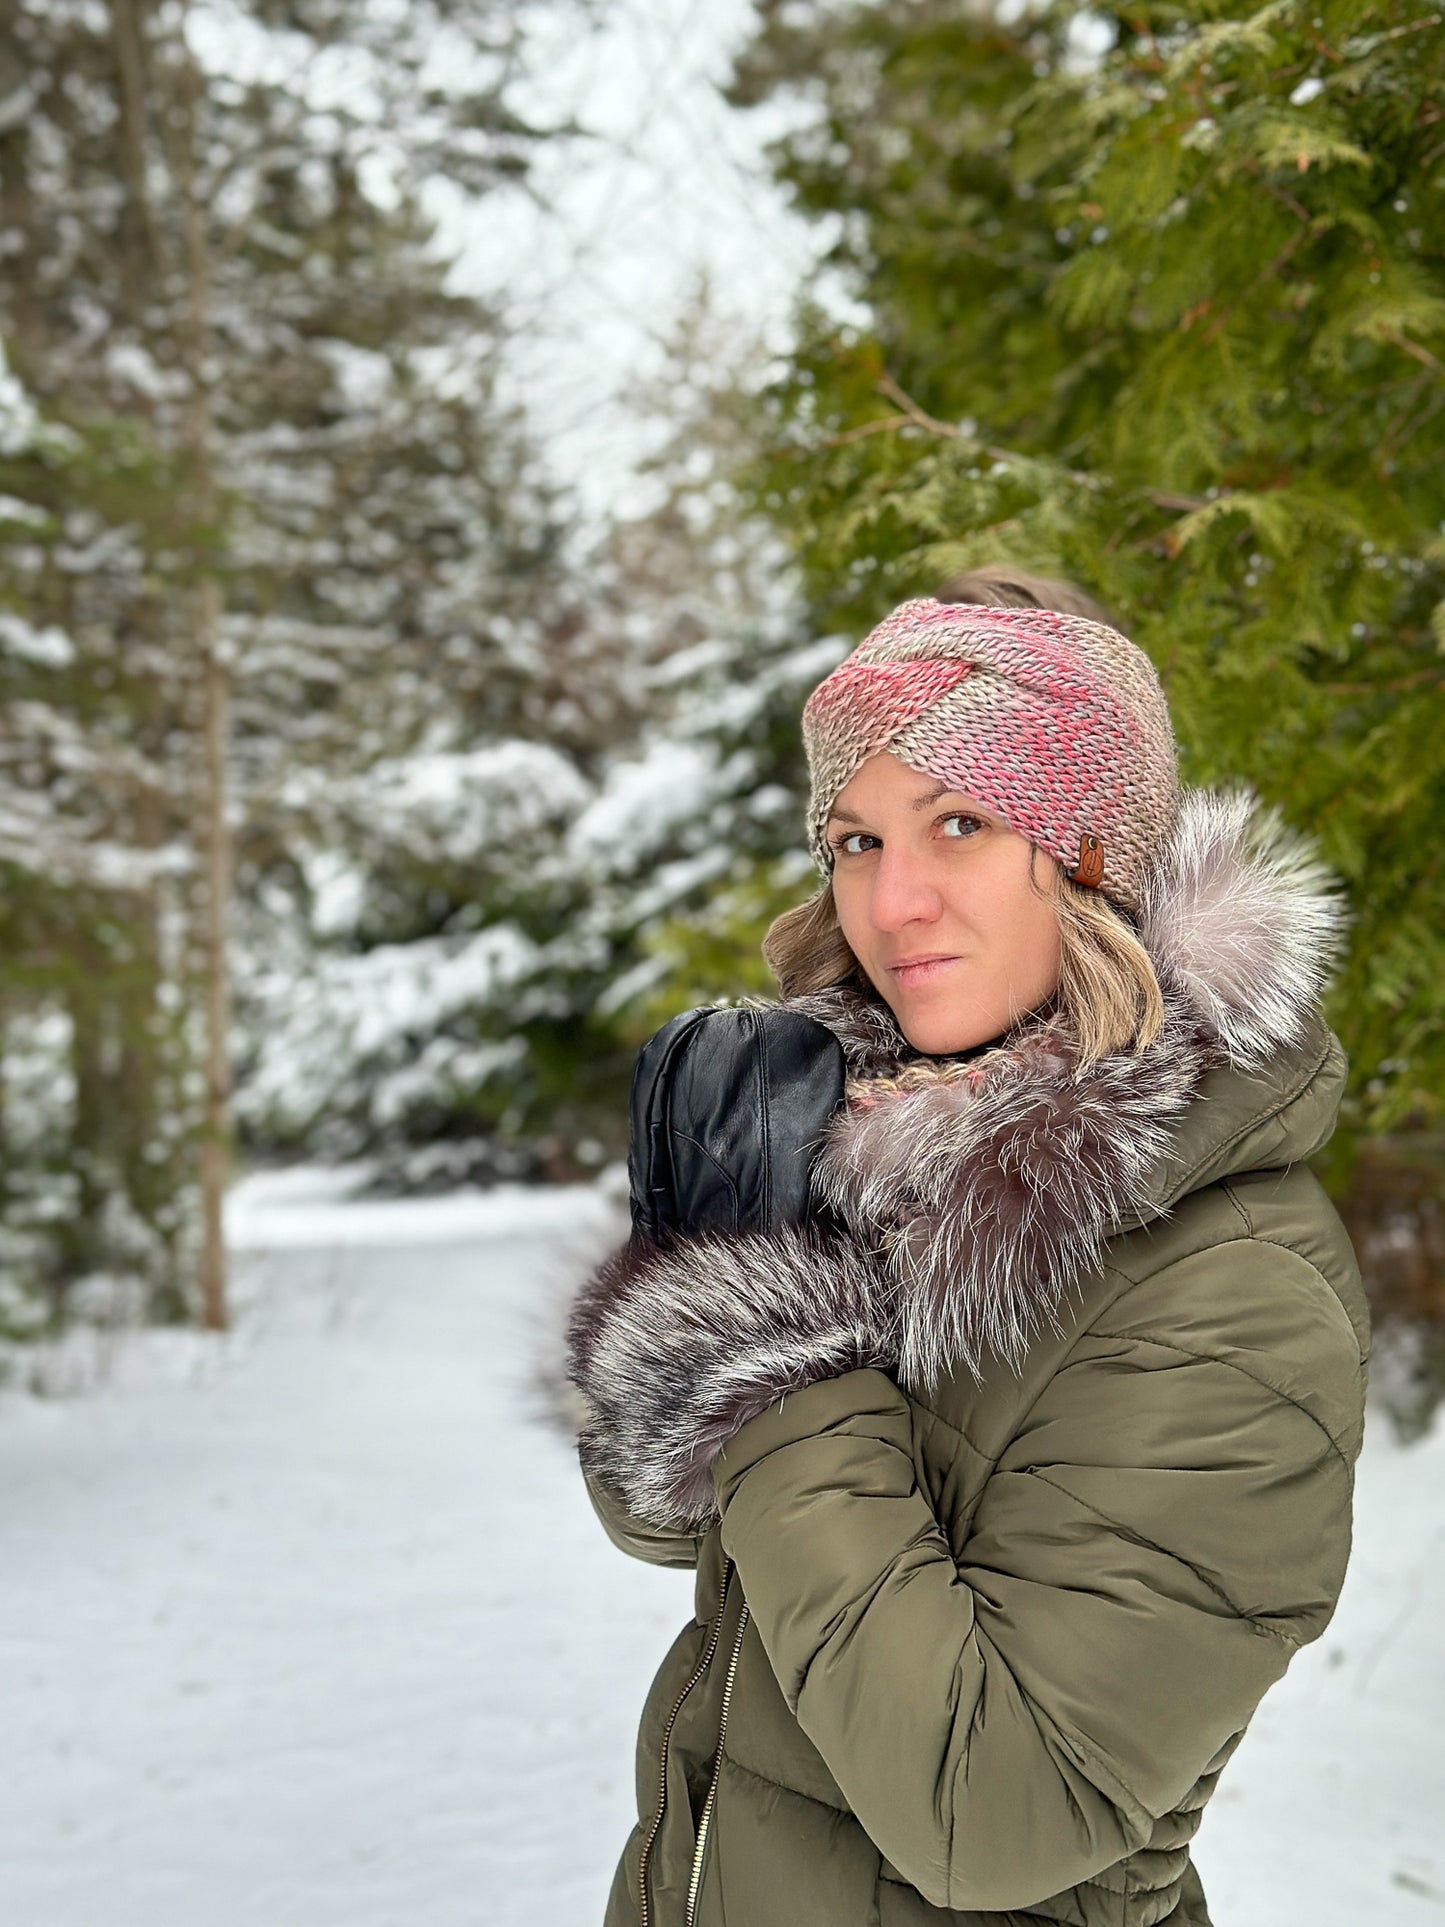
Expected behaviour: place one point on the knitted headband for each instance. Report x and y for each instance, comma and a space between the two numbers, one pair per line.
1057, 725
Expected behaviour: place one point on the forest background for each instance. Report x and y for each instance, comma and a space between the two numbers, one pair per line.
371, 785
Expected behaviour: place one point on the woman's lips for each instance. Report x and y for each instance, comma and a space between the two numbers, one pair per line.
914, 976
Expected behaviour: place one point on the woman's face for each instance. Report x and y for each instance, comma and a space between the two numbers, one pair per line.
934, 896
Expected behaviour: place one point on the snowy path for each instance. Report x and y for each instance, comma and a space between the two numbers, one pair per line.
321, 1633
315, 1629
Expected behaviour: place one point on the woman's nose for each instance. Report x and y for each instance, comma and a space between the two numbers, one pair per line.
902, 892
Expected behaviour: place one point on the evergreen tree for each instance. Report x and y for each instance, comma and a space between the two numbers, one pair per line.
224, 295
583, 896
93, 941
709, 577
1157, 301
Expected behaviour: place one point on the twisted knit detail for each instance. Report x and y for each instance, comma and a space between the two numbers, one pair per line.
1056, 724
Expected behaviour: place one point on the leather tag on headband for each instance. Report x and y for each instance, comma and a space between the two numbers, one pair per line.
1090, 867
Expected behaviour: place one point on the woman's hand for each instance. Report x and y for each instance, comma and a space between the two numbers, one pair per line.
728, 1108
736, 1288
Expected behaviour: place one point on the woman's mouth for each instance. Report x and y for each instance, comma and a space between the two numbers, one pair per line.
914, 972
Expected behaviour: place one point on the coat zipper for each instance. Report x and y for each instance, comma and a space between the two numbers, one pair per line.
695, 1884
645, 1861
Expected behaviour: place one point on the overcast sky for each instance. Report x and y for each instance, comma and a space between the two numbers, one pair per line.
674, 183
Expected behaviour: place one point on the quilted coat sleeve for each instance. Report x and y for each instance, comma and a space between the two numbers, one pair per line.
1008, 1715
656, 1544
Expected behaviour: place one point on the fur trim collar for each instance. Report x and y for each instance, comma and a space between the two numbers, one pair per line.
972, 1193
1241, 918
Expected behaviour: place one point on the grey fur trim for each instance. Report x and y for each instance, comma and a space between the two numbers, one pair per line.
863, 1024
1240, 914
674, 1348
987, 1198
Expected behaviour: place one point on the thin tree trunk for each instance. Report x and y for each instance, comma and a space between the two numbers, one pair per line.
16, 196
215, 708
216, 1131
137, 249
91, 1131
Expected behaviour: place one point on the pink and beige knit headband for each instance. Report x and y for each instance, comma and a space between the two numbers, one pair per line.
1057, 725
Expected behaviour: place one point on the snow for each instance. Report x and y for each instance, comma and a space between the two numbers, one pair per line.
49, 647
19, 422
460, 801
645, 800
375, 1004
313, 1625
1331, 1811
307, 1206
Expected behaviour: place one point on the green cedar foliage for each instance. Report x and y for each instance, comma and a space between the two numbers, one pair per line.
1157, 300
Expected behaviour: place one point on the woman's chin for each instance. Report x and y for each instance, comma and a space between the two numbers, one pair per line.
946, 1043
941, 1033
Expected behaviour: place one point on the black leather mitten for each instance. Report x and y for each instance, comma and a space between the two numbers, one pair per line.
727, 1110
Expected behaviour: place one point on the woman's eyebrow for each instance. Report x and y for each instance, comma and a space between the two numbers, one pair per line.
920, 802
931, 796
969, 805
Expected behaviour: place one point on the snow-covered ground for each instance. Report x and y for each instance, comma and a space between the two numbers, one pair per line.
313, 1627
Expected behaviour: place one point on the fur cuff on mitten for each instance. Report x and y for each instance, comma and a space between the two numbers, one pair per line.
675, 1347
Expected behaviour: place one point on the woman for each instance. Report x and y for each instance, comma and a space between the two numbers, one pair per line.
1014, 1487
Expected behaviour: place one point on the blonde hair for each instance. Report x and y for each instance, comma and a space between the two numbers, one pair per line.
1108, 994
1107, 999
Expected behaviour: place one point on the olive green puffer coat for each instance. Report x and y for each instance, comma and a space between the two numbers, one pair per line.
1009, 1505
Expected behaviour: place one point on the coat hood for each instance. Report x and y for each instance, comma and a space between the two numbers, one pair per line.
988, 1185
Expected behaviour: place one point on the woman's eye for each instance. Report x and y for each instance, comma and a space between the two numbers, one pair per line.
848, 845
960, 823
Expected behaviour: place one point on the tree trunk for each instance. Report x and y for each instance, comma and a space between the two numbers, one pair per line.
216, 856
215, 692
81, 1242
138, 255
